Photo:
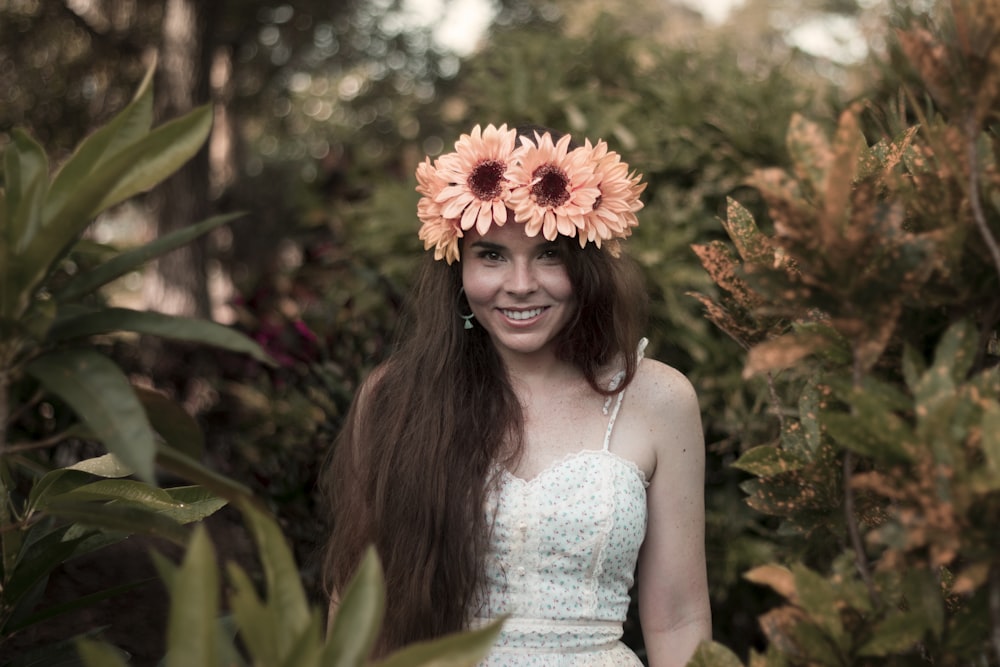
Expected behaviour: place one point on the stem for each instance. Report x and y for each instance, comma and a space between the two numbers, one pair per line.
853, 533
38, 444
977, 208
778, 409
4, 410
994, 601
860, 559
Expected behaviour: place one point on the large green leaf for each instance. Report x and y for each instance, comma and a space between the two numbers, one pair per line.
157, 324
130, 260
464, 649
281, 576
359, 616
135, 168
131, 124
258, 627
100, 654
26, 180
36, 561
713, 654
182, 465
26, 170
102, 397
117, 517
172, 422
194, 603
126, 490
192, 503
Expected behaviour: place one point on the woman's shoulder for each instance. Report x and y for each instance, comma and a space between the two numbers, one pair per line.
658, 384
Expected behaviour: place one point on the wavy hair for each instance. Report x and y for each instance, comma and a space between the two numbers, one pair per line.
412, 467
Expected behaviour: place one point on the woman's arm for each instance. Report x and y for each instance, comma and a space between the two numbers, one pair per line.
672, 582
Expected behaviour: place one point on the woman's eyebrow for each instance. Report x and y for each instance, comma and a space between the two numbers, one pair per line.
488, 245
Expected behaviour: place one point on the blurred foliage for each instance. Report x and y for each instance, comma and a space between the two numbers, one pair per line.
333, 105
279, 628
57, 388
872, 310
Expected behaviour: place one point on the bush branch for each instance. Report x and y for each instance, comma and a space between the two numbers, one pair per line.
977, 209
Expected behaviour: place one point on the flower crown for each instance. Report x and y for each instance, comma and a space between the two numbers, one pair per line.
587, 192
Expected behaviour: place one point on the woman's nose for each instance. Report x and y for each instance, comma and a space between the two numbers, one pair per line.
521, 279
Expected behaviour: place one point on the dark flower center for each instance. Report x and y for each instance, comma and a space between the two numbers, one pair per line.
597, 202
551, 188
486, 179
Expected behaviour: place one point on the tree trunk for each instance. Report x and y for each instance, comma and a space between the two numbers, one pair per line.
178, 282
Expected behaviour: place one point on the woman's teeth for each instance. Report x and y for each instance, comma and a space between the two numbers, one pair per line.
523, 314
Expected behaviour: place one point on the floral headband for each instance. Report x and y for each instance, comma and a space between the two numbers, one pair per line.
587, 192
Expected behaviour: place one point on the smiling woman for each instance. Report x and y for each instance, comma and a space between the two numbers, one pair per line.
494, 460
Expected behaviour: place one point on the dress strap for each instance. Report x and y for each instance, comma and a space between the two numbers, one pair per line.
615, 381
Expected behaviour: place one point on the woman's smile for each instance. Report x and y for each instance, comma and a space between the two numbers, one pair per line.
518, 288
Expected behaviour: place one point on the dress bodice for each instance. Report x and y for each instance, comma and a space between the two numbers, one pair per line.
564, 546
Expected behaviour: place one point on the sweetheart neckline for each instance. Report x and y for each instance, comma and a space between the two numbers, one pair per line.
572, 456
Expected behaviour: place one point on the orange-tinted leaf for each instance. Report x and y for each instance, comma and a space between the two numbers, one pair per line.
840, 176
776, 577
810, 152
781, 352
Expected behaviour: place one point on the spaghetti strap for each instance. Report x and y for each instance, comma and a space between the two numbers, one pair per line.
615, 381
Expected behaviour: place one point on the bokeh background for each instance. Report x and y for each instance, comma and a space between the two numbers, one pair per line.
322, 109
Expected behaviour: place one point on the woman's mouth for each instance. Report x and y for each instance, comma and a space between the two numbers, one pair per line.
522, 314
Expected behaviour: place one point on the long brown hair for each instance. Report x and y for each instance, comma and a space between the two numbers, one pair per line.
412, 466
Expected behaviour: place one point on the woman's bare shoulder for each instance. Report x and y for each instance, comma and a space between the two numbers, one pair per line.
658, 386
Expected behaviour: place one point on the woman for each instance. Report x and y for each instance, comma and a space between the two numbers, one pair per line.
516, 455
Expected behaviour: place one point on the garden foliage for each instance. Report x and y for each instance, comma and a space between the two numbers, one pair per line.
871, 311
52, 324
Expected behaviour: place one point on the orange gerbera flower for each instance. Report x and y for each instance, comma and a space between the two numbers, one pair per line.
475, 175
613, 214
551, 190
436, 231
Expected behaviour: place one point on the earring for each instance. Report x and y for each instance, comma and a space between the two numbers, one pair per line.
468, 318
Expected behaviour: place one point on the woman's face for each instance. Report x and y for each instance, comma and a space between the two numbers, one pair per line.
518, 288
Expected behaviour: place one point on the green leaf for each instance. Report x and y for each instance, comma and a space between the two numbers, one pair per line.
126, 490
135, 168
281, 576
188, 468
821, 600
192, 503
953, 357
713, 654
192, 636
45, 550
130, 260
26, 172
119, 517
127, 127
359, 615
103, 399
259, 629
172, 422
76, 604
463, 649
194, 330
100, 654
991, 438
107, 465
26, 180
159, 154
768, 460
753, 246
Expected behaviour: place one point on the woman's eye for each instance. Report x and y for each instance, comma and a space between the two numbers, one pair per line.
491, 255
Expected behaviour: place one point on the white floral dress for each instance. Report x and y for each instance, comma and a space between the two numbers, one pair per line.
564, 549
